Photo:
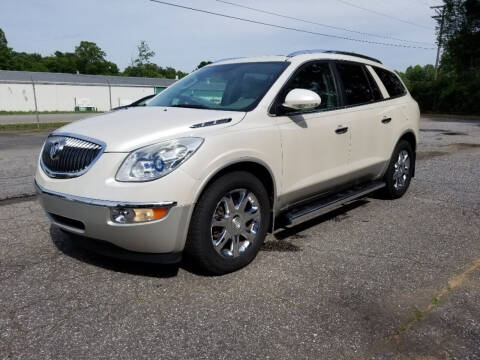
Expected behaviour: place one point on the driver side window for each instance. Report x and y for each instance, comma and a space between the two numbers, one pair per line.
317, 77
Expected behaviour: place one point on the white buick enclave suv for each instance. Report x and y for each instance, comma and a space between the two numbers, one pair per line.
228, 153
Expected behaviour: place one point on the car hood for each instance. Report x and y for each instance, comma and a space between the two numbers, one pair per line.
129, 129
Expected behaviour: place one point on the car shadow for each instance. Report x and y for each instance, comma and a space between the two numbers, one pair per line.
69, 244
338, 215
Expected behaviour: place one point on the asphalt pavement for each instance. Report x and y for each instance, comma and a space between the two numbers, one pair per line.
377, 279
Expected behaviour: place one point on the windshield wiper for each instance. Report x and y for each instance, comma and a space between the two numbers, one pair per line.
190, 106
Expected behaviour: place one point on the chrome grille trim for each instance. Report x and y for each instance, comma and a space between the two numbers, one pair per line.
77, 154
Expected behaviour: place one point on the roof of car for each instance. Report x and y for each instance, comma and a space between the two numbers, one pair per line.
306, 55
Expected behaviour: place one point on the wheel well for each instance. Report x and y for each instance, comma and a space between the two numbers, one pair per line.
256, 169
410, 137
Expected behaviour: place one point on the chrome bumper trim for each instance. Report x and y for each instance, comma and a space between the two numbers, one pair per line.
104, 203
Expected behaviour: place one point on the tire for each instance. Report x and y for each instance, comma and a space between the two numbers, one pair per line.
229, 223
400, 170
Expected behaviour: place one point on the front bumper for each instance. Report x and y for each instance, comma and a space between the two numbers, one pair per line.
92, 218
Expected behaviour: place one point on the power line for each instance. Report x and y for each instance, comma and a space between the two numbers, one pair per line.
290, 28
382, 14
320, 24
419, 2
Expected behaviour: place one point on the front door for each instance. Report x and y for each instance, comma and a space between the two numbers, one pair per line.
315, 144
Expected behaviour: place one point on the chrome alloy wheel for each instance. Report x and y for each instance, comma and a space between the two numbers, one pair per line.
235, 223
401, 170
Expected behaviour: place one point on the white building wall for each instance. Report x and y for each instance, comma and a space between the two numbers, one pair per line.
127, 95
53, 97
16, 97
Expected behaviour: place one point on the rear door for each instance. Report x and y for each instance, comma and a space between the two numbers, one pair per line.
364, 103
394, 107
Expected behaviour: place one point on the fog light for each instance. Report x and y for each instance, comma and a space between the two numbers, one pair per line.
130, 215
123, 216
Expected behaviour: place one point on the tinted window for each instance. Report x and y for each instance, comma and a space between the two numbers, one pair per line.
318, 78
356, 87
238, 86
391, 81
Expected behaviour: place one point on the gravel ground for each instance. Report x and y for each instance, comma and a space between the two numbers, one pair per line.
377, 279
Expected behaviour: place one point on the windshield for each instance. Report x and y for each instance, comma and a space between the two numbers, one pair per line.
238, 87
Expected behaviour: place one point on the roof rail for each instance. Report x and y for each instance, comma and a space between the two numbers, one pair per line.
318, 51
226, 59
303, 52
353, 54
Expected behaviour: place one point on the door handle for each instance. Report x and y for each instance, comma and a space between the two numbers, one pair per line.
386, 120
341, 130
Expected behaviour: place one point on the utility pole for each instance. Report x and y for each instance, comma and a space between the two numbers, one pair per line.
440, 14
35, 101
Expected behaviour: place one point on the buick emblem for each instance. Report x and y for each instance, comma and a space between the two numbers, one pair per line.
56, 149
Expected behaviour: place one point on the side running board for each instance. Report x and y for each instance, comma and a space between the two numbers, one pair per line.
326, 204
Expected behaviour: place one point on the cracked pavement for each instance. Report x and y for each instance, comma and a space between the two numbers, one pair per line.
376, 279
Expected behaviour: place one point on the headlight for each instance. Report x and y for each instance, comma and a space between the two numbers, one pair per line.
154, 161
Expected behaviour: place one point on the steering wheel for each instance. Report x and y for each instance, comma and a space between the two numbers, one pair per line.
186, 100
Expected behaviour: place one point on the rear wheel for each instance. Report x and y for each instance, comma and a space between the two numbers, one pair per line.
400, 170
229, 223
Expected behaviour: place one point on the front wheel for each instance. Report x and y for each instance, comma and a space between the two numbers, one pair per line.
229, 223
400, 170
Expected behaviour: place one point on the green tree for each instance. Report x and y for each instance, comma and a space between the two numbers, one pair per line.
457, 89
421, 84
202, 64
11, 60
61, 62
145, 70
5, 53
461, 35
140, 65
144, 54
88, 58
170, 73
143, 67
3, 40
181, 74
91, 60
27, 62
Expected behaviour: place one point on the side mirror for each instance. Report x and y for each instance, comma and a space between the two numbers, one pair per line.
302, 99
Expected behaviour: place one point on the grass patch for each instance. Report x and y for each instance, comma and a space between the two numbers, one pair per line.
436, 301
418, 315
34, 127
47, 112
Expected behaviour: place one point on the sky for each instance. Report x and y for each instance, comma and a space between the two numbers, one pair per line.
181, 38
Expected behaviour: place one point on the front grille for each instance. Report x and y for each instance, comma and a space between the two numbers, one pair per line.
69, 156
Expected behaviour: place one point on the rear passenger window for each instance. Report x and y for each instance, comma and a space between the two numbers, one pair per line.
391, 81
356, 87
318, 78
